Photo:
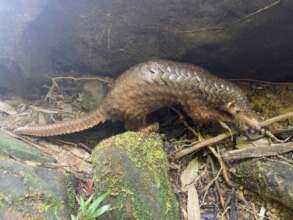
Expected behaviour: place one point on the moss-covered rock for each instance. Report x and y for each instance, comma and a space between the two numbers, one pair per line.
133, 167
12, 147
269, 178
34, 193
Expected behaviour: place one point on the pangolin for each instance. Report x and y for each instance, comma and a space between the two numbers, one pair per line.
148, 86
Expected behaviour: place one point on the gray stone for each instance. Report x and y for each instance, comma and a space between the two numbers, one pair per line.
34, 192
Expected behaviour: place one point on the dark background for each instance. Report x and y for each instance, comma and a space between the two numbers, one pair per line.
232, 38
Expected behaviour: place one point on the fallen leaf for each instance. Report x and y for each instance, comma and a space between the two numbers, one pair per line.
189, 174
188, 178
193, 209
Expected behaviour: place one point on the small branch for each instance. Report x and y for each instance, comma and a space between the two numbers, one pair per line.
104, 79
277, 119
269, 6
224, 213
225, 135
223, 166
259, 151
188, 127
206, 189
220, 28
285, 159
203, 144
47, 111
220, 193
54, 81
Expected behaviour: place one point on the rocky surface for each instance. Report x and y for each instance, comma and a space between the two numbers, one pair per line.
28, 190
231, 38
11, 147
269, 178
133, 167
34, 192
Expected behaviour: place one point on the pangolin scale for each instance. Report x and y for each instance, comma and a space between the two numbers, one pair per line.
151, 85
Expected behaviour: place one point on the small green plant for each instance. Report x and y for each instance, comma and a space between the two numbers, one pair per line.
89, 209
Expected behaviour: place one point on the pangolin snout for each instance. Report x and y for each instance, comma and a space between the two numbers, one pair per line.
250, 122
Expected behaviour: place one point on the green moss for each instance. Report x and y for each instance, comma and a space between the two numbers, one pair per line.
36, 191
71, 195
138, 175
270, 100
3, 200
46, 204
245, 174
31, 179
10, 146
144, 150
139, 145
4, 157
39, 203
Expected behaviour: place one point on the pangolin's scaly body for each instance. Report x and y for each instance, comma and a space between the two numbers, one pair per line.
149, 86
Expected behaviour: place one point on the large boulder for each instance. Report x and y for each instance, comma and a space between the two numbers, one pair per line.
133, 167
231, 38
29, 191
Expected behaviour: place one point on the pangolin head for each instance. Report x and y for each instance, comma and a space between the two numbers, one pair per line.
238, 109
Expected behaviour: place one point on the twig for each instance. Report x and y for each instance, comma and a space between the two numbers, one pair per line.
269, 6
224, 27
47, 111
206, 189
277, 119
270, 135
203, 144
285, 159
225, 212
104, 79
225, 126
221, 198
181, 117
223, 166
57, 78
225, 135
284, 130
259, 151
250, 210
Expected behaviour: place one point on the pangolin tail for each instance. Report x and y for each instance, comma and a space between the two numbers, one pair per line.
67, 127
